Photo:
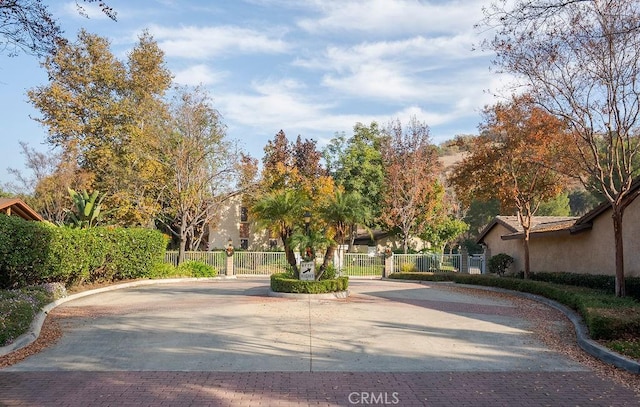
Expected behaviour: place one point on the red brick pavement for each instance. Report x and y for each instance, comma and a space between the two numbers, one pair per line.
311, 389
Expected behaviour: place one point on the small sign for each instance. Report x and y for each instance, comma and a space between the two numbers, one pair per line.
307, 270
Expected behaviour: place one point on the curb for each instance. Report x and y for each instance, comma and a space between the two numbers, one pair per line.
322, 296
36, 325
582, 334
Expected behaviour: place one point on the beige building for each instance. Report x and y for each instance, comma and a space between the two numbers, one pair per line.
233, 223
582, 245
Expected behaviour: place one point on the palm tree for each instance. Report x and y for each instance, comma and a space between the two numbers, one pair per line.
342, 211
279, 212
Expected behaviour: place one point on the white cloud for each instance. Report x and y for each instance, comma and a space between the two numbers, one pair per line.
272, 105
207, 42
385, 17
198, 74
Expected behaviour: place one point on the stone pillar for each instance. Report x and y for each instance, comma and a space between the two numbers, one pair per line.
464, 260
229, 271
388, 266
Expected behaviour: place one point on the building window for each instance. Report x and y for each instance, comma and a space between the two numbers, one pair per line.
244, 231
244, 214
273, 243
244, 244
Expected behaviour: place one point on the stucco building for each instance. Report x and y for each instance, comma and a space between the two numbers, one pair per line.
582, 245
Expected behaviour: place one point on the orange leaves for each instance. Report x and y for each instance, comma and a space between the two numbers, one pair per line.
515, 158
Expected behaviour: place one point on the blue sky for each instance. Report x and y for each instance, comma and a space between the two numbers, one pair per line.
311, 68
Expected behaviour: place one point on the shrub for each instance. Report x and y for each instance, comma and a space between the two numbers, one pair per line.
500, 263
408, 268
595, 281
32, 253
329, 273
17, 310
196, 269
283, 283
163, 270
23, 251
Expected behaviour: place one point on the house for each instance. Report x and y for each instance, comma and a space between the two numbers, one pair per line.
232, 223
17, 207
582, 245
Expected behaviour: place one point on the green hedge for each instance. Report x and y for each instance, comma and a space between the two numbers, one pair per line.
599, 282
606, 316
38, 252
284, 283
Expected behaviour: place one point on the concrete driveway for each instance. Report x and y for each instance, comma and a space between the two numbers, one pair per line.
228, 343
233, 326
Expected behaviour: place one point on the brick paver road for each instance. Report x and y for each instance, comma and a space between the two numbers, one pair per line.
396, 344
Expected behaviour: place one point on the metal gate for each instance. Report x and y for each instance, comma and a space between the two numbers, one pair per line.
476, 264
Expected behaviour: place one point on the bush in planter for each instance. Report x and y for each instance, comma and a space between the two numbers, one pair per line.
285, 283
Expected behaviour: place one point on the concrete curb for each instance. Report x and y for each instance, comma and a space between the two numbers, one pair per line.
582, 334
36, 325
323, 296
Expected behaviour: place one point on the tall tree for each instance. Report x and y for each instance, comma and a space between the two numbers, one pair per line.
340, 213
291, 170
356, 165
412, 195
110, 116
580, 61
511, 161
203, 165
28, 26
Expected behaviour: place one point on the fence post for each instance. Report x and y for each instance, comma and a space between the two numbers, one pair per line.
464, 260
388, 266
229, 270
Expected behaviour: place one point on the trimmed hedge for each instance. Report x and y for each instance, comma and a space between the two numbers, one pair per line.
599, 282
38, 252
284, 283
606, 316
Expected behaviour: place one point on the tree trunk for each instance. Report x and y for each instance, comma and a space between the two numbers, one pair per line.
617, 233
328, 256
182, 235
181, 248
526, 253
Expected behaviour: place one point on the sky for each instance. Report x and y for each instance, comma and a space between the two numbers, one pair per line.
309, 67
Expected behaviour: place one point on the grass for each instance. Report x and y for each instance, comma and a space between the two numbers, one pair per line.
628, 347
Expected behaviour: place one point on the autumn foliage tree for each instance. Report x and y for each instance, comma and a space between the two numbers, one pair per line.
511, 161
579, 59
292, 181
203, 166
412, 195
109, 116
